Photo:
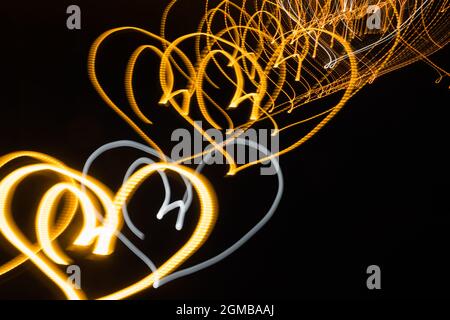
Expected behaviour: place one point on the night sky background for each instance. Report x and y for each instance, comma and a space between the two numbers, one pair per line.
370, 188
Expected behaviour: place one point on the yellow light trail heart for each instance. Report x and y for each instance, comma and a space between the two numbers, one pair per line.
102, 233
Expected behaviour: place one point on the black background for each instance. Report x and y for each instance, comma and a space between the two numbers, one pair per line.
371, 188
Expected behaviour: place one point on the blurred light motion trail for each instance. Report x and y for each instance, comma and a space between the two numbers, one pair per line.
281, 61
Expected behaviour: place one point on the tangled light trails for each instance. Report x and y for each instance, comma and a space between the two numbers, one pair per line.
276, 58
48, 230
103, 234
290, 65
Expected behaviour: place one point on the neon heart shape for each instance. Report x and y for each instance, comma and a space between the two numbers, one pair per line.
103, 234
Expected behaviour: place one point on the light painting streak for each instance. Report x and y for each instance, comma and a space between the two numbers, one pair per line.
271, 58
